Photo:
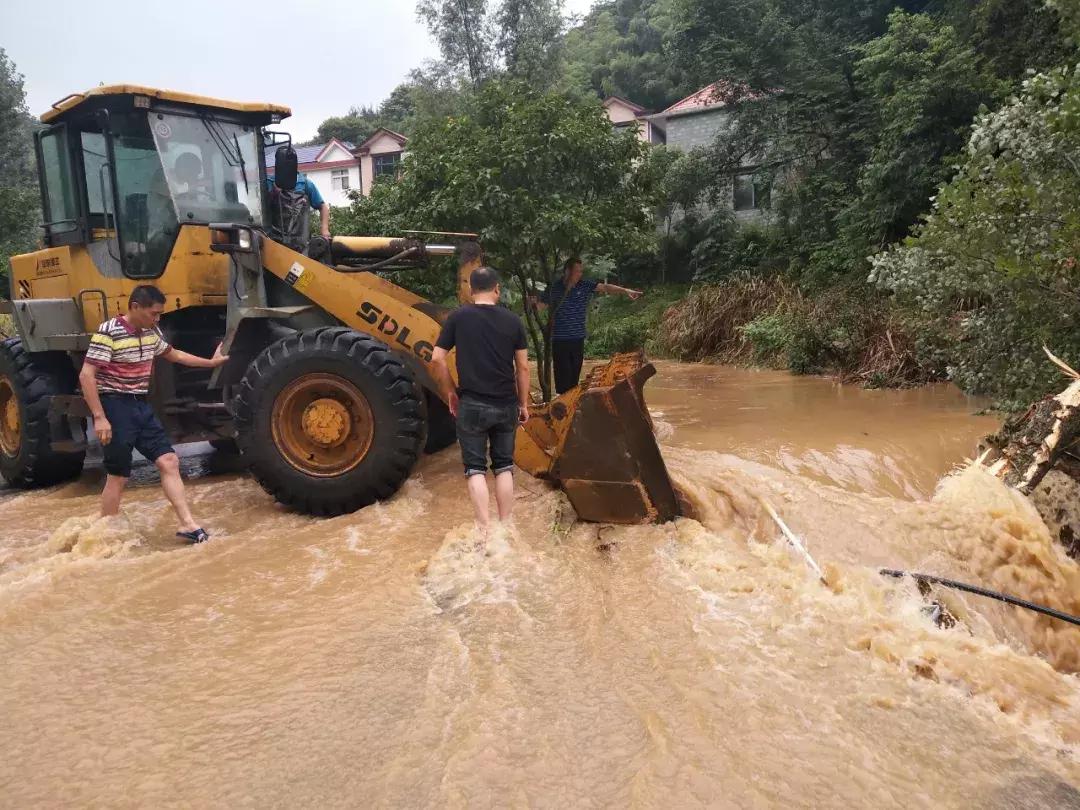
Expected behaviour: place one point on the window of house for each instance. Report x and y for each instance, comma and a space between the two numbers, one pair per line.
339, 179
745, 193
386, 165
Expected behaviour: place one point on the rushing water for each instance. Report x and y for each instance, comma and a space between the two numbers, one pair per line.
389, 659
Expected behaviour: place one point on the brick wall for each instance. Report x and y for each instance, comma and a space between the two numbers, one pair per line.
699, 129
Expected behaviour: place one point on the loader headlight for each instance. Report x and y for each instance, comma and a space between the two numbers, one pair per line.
228, 238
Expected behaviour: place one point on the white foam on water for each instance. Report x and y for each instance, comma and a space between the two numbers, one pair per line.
78, 542
470, 567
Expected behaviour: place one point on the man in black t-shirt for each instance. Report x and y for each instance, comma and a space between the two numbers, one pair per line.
492, 396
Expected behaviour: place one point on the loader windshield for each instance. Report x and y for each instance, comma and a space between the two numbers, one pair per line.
211, 167
170, 169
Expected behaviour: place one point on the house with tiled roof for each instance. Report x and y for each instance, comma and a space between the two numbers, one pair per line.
339, 167
625, 114
693, 122
696, 121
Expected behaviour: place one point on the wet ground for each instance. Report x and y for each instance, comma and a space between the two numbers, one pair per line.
391, 658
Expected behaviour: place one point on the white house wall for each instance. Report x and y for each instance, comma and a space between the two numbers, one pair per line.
321, 179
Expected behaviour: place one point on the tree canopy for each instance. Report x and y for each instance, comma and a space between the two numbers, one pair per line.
19, 201
623, 48
992, 275
852, 115
539, 176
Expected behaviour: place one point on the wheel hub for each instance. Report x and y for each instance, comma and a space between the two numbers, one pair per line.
322, 424
10, 421
326, 422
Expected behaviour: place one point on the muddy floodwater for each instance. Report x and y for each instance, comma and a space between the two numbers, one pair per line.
389, 659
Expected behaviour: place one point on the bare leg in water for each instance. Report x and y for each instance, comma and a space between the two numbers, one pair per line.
169, 467
110, 497
504, 494
478, 494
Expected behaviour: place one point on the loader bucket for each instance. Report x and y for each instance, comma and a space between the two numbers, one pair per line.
596, 442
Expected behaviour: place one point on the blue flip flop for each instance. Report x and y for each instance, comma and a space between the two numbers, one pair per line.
197, 536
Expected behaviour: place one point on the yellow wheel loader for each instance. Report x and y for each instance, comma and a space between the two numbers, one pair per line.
328, 393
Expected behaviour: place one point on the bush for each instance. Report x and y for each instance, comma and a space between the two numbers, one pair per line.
617, 324
728, 249
706, 325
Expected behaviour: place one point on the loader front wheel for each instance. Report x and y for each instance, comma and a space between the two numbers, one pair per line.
27, 384
329, 421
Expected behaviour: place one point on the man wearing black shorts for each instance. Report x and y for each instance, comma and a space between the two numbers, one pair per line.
492, 397
115, 381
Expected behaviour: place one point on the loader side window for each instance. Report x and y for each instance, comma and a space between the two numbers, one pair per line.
61, 206
93, 149
148, 222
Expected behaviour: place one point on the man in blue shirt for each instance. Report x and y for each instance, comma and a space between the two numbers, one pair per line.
569, 299
284, 204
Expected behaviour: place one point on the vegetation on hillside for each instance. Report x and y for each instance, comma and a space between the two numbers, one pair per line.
992, 274
19, 201
916, 163
943, 129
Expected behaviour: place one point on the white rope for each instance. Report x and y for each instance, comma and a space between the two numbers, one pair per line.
793, 539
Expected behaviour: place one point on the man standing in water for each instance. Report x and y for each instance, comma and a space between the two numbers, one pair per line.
492, 397
570, 297
470, 256
115, 381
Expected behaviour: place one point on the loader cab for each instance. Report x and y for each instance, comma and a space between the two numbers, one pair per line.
123, 169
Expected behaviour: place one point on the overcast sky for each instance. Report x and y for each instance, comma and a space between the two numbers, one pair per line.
318, 57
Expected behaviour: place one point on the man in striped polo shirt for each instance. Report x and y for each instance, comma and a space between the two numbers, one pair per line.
569, 299
115, 380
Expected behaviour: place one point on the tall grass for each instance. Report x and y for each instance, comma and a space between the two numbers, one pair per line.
850, 332
707, 324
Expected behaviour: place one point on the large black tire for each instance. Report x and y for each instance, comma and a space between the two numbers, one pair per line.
441, 427
360, 366
227, 447
27, 384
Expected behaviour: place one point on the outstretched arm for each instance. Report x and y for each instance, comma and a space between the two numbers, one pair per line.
615, 289
174, 355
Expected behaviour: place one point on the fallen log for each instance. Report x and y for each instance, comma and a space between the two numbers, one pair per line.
1038, 454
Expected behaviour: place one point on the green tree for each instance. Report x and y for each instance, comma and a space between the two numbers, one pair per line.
19, 200
993, 274
539, 176
529, 39
355, 127
803, 119
463, 30
400, 106
1013, 36
622, 48
926, 88
853, 113
679, 191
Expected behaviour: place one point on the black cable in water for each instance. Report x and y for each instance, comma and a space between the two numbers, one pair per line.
975, 589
